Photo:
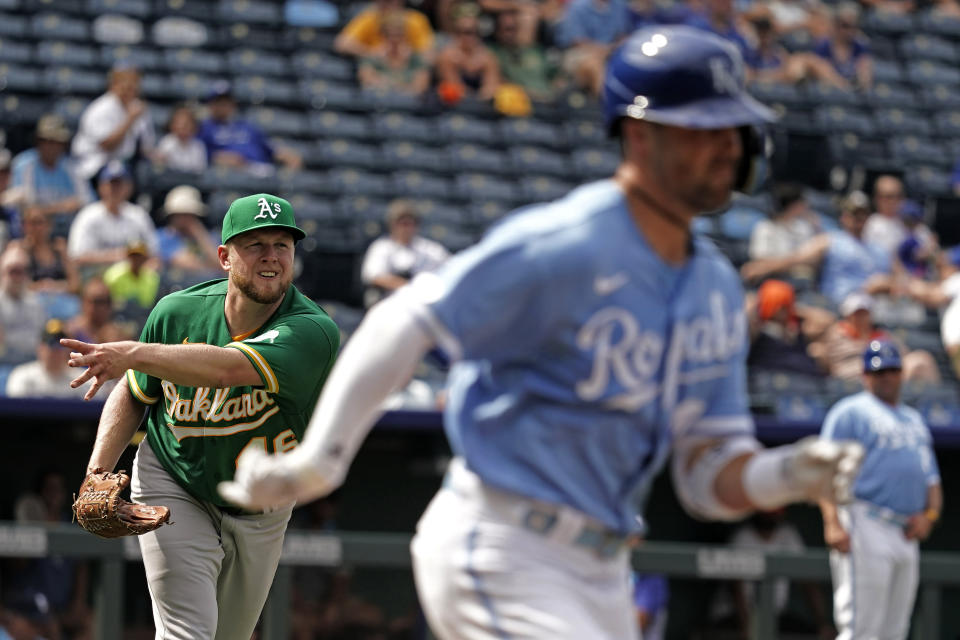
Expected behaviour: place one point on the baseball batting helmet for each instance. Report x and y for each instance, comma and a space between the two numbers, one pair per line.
881, 355
685, 77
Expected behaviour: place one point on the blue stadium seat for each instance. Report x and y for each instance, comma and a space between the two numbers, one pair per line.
136, 8
258, 62
301, 38
485, 187
789, 95
316, 209
339, 124
264, 90
221, 178
948, 123
301, 181
185, 59
737, 222
897, 121
585, 132
940, 413
824, 95
15, 52
68, 7
796, 408
67, 53
851, 150
188, 86
838, 119
527, 131
12, 25
21, 110
439, 210
280, 122
535, 189
9, 5
202, 10
324, 94
15, 77
403, 126
484, 213
934, 22
940, 96
74, 81
361, 209
886, 70
888, 23
402, 154
377, 100
925, 72
343, 152
534, 160
57, 26
594, 163
921, 46
317, 64
142, 58
250, 12
70, 109
413, 184
798, 40
823, 202
351, 181
888, 94
156, 86
467, 156
929, 181
5, 370
460, 128
913, 150
219, 201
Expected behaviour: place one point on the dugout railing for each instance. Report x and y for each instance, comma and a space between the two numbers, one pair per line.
391, 550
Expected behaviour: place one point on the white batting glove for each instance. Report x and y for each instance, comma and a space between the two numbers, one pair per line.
265, 481
810, 470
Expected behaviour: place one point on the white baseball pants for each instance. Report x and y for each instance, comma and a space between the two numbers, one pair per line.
481, 575
875, 584
209, 573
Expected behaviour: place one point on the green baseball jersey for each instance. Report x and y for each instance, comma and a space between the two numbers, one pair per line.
198, 432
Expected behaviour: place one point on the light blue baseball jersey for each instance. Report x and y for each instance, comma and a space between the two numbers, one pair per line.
848, 264
581, 354
899, 463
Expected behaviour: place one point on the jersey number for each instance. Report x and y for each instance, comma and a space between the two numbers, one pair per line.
282, 442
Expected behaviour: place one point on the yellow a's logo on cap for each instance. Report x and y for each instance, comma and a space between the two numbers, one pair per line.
265, 210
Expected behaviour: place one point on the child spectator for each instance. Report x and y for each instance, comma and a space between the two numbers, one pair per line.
181, 149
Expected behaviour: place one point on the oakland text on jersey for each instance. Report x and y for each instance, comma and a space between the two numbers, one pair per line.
254, 407
622, 348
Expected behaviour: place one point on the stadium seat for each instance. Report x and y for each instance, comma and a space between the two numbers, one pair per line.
887, 70
314, 209
15, 52
823, 202
929, 180
67, 80
185, 59
176, 31
897, 121
387, 100
439, 210
188, 86
460, 128
940, 24
940, 96
221, 178
403, 126
483, 213
299, 181
453, 237
534, 160
824, 95
5, 370
194, 9
838, 119
280, 122
738, 221
142, 58
361, 209
68, 7
316, 64
527, 131
343, 152
591, 164
797, 408
57, 26
789, 95
12, 26
339, 124
67, 53
925, 72
413, 184
888, 94
916, 150
485, 187
921, 46
947, 123
402, 154
156, 86
117, 29
20, 110
797, 40
534, 189
324, 94
136, 8
888, 23
219, 201
851, 150
300, 38
9, 5
70, 109
250, 12
939, 413
264, 90
257, 62
466, 156
242, 35
585, 133
351, 181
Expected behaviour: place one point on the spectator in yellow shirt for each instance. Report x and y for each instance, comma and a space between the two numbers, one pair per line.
133, 280
363, 34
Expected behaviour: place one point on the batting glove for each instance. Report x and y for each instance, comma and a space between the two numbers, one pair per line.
265, 481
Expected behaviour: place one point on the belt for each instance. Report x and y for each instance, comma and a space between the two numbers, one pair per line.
887, 515
239, 511
548, 520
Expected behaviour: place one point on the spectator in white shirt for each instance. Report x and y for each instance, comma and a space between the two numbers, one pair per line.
48, 375
102, 231
392, 260
21, 312
884, 228
181, 149
792, 225
944, 294
114, 125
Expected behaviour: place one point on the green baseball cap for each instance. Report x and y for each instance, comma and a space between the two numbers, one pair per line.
259, 211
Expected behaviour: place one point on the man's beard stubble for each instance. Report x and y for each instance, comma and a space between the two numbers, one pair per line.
249, 289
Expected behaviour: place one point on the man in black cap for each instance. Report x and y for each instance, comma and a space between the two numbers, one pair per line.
25, 616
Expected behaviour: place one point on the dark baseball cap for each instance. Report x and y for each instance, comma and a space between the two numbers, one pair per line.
53, 330
881, 355
30, 604
259, 211
113, 170
219, 89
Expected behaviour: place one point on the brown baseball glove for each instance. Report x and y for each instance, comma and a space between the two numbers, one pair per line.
100, 510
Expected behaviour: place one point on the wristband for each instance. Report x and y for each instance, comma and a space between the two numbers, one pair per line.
932, 515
